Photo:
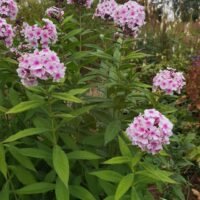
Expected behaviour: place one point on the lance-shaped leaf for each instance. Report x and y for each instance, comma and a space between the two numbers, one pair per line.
62, 193
3, 165
80, 192
61, 164
83, 155
112, 130
124, 186
25, 133
36, 188
118, 160
108, 175
24, 106
67, 97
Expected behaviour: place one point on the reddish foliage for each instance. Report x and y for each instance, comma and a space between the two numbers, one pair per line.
193, 83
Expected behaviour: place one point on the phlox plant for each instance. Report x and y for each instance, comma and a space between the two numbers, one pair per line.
73, 113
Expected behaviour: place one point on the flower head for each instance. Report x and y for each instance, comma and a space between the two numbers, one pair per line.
6, 32
105, 9
42, 65
150, 131
43, 36
54, 12
169, 81
8, 8
130, 17
85, 3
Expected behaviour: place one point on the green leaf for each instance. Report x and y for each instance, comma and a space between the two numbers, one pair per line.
82, 155
110, 198
67, 19
102, 54
73, 33
112, 130
3, 165
35, 153
78, 91
69, 141
14, 97
23, 160
25, 133
125, 151
134, 194
62, 193
79, 55
67, 97
66, 117
82, 110
118, 160
26, 105
5, 192
117, 55
156, 174
80, 192
135, 160
61, 164
124, 186
109, 188
23, 175
10, 60
36, 188
135, 56
108, 175
142, 85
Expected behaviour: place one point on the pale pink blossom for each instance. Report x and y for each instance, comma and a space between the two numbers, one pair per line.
150, 131
36, 36
169, 80
6, 32
130, 17
106, 9
8, 9
40, 65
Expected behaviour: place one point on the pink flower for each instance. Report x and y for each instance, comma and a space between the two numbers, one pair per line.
54, 12
42, 65
44, 36
130, 17
85, 3
8, 8
105, 9
150, 131
6, 32
169, 81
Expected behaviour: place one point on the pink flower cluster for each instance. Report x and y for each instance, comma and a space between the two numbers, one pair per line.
86, 3
44, 36
8, 8
6, 32
54, 12
106, 9
43, 65
130, 17
150, 131
169, 81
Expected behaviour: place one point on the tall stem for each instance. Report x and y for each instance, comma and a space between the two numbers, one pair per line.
12, 186
51, 116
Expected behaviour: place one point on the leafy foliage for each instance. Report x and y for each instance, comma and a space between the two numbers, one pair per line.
66, 140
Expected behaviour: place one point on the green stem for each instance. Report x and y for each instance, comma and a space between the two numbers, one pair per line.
51, 116
12, 186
